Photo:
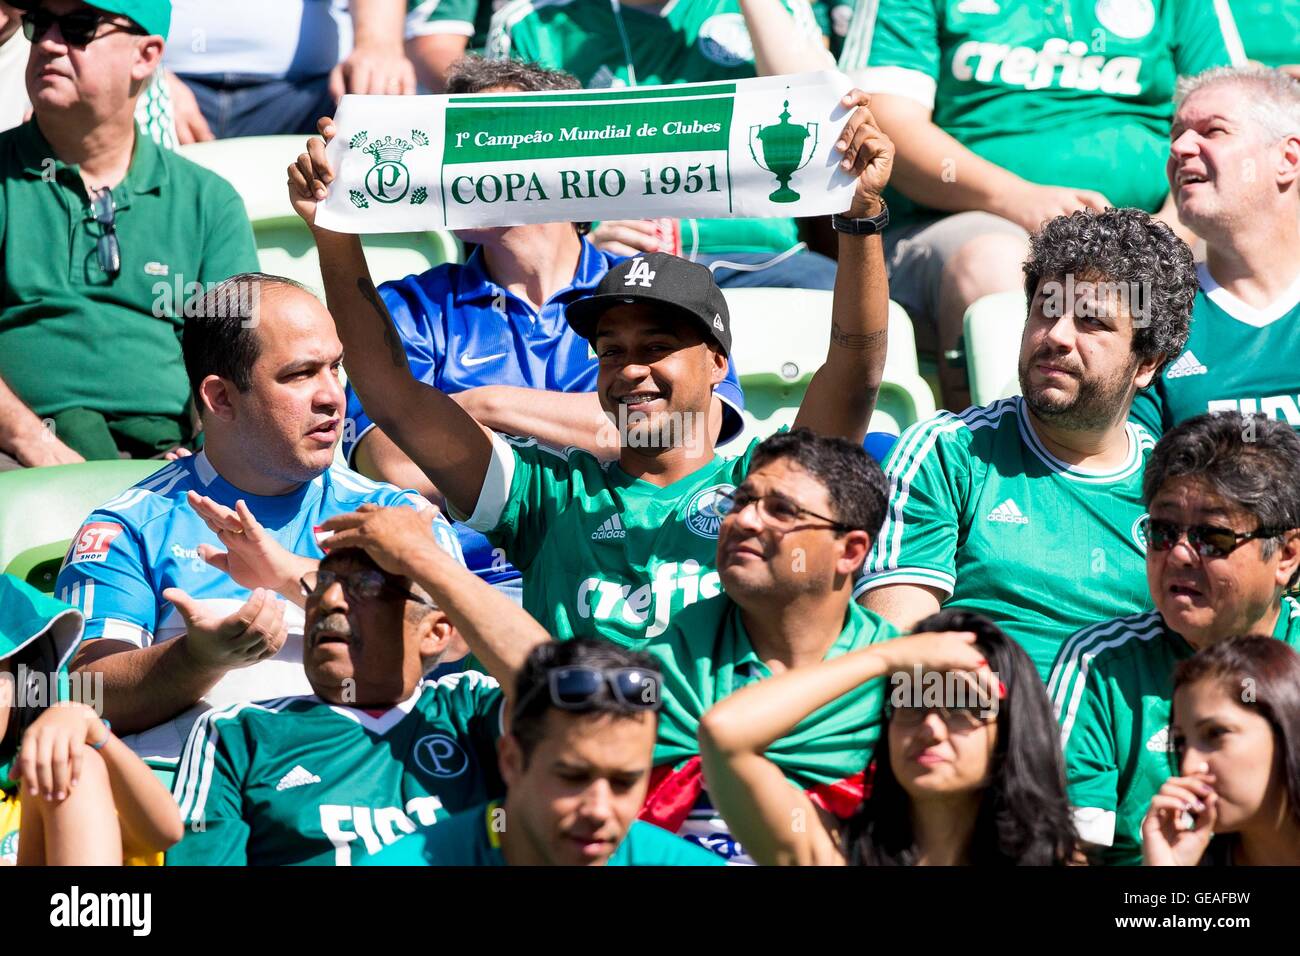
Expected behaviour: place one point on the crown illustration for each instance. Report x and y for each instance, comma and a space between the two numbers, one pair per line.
390, 149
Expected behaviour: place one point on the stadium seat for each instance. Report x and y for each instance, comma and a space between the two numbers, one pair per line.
779, 340
42, 508
992, 327
255, 166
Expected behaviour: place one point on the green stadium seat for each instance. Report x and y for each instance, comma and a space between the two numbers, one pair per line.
255, 166
992, 328
779, 340
42, 508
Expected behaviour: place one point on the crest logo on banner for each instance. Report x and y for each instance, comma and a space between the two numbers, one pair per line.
388, 181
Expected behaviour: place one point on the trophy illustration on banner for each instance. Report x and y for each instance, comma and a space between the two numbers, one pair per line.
787, 148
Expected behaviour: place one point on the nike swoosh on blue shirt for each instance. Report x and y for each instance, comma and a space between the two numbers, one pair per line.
470, 361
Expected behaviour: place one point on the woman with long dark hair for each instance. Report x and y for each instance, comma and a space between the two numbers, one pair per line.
968, 772
1235, 728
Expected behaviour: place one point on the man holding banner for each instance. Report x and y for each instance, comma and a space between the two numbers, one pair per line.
613, 551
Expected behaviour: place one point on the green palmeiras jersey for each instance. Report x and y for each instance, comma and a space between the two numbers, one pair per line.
473, 838
1072, 93
297, 780
1270, 30
467, 18
1237, 359
1112, 687
603, 554
981, 510
605, 44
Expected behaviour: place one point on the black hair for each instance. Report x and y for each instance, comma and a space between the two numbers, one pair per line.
474, 74
528, 723
219, 336
1024, 816
1273, 671
856, 485
1133, 249
1250, 461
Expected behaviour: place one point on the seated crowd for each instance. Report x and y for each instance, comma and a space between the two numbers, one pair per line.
491, 602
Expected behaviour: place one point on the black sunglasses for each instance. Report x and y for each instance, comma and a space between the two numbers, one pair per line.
103, 210
1207, 540
78, 28
576, 686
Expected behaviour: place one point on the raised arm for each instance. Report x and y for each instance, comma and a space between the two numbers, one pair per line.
434, 432
499, 632
782, 43
842, 394
775, 821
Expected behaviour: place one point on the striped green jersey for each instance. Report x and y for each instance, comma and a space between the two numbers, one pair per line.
297, 780
1070, 93
1237, 359
982, 511
604, 554
1112, 687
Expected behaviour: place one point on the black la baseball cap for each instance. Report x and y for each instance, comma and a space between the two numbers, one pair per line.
666, 282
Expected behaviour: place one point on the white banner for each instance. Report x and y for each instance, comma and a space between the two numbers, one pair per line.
752, 148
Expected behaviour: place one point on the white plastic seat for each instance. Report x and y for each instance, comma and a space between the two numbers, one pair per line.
993, 327
779, 340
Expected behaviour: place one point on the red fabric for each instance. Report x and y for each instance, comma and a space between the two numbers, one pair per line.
672, 793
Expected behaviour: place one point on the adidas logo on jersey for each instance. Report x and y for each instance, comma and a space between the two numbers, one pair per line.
299, 776
1186, 365
1159, 741
612, 528
1008, 513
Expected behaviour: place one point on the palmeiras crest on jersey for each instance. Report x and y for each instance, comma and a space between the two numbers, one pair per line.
440, 756
388, 180
707, 508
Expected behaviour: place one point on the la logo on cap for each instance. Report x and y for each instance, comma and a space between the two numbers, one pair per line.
640, 273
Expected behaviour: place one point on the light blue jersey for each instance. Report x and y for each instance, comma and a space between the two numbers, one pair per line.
146, 540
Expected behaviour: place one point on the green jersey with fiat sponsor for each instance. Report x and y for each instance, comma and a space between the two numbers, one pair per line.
1238, 359
981, 511
683, 41
1072, 93
604, 554
298, 780
1112, 688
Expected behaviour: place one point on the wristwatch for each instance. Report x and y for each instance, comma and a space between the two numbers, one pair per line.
871, 226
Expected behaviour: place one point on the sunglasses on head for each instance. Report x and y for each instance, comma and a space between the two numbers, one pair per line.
77, 28
576, 686
1207, 540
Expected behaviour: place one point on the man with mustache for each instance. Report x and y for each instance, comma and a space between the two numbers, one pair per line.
332, 776
1223, 548
171, 633
1029, 510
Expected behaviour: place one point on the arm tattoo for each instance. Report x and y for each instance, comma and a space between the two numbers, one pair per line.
850, 340
394, 342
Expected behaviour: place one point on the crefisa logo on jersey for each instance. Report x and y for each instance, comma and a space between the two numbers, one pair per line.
440, 756
1130, 19
707, 508
724, 39
1139, 532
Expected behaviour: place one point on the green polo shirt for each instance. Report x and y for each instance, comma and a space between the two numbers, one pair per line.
71, 336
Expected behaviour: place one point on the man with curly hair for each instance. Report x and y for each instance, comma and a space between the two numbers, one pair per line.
1029, 510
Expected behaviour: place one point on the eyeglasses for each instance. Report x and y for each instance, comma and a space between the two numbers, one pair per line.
575, 687
365, 585
1207, 540
77, 28
957, 719
776, 511
104, 211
